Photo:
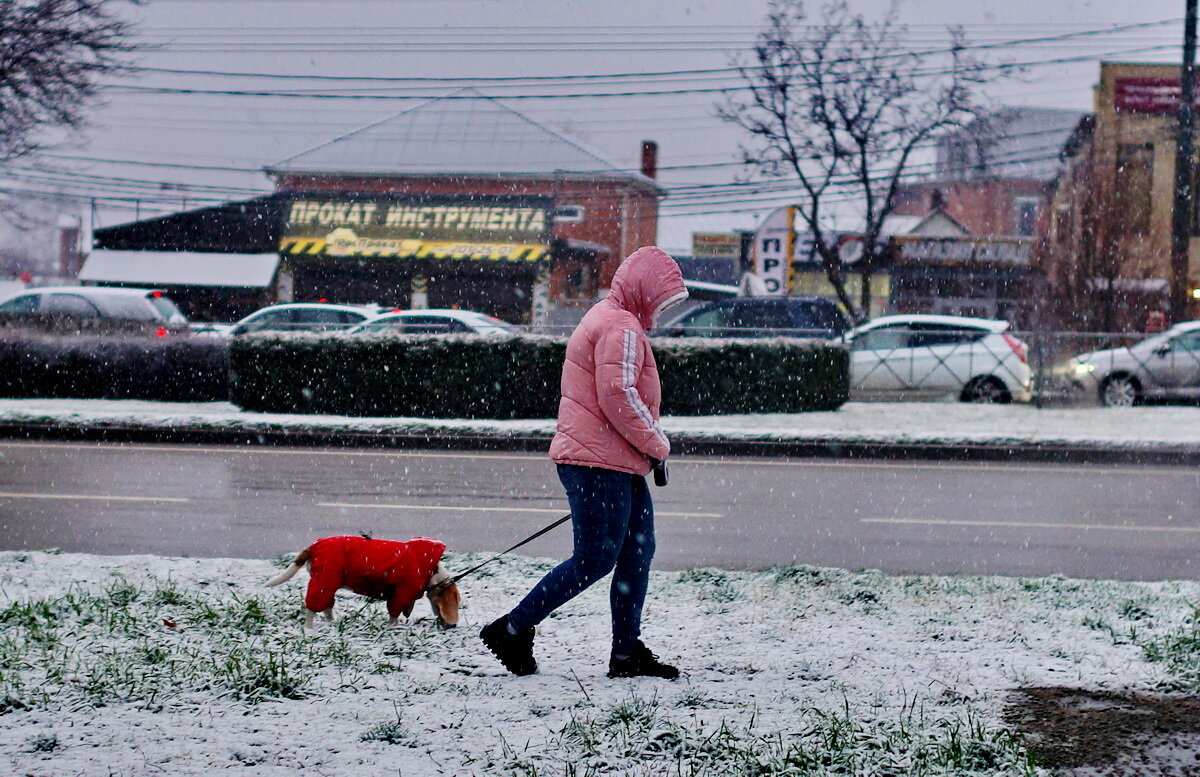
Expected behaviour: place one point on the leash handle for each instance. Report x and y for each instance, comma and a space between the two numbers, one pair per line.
525, 541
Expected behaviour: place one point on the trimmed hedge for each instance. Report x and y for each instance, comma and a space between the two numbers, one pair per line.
467, 376
113, 366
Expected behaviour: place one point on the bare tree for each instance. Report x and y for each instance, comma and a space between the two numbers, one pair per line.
840, 106
52, 53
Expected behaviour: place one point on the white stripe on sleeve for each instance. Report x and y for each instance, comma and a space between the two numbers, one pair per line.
628, 379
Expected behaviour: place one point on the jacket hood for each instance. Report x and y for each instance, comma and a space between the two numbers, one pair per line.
646, 283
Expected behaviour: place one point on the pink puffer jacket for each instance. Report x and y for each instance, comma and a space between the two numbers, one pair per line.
608, 415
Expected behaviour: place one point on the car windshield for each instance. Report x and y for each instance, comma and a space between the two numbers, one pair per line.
167, 308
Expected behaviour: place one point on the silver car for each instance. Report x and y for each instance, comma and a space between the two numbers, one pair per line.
930, 357
1164, 366
112, 303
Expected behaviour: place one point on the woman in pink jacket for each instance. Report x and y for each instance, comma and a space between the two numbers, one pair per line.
607, 441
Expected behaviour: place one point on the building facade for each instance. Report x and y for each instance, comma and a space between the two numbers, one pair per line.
995, 179
457, 202
1107, 243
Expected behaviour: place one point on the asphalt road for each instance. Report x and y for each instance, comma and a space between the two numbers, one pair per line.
1099, 521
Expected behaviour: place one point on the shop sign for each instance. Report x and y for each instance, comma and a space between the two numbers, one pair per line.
1147, 95
474, 229
716, 245
955, 250
774, 244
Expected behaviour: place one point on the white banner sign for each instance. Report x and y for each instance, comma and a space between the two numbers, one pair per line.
773, 245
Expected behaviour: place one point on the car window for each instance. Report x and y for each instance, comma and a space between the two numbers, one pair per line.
925, 335
318, 316
69, 305
433, 325
1189, 342
705, 322
761, 314
813, 315
129, 307
350, 317
884, 338
392, 324
26, 303
166, 307
272, 319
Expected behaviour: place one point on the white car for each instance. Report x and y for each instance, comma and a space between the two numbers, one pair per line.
927, 356
301, 317
1164, 366
435, 321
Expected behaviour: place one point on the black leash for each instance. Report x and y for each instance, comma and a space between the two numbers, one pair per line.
479, 566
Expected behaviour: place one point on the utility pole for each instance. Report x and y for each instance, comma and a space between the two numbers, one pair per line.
1182, 210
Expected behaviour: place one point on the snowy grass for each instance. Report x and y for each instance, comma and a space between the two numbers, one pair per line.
867, 422
138, 665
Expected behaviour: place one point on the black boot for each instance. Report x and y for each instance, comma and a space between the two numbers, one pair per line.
641, 663
515, 651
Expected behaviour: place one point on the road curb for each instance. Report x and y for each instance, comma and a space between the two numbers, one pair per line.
682, 444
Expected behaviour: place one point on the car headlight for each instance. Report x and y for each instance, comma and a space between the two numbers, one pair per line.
1082, 368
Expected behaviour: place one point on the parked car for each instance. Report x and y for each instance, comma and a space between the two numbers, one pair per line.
926, 356
758, 317
94, 303
1163, 366
301, 317
435, 321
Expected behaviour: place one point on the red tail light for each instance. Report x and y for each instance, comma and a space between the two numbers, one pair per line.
162, 331
1019, 348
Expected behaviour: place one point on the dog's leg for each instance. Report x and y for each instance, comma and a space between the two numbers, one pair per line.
308, 620
328, 615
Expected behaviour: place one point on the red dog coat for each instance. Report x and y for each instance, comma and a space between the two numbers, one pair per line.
378, 569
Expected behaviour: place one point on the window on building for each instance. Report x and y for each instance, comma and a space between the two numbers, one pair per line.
1026, 209
1135, 173
568, 214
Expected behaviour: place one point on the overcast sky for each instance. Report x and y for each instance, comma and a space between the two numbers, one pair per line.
179, 137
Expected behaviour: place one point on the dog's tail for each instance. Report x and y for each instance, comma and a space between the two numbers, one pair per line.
287, 574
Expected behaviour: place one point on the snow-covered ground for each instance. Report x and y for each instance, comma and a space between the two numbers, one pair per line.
142, 665
907, 422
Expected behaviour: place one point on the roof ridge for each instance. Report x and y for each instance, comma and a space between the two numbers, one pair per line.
556, 133
363, 128
606, 165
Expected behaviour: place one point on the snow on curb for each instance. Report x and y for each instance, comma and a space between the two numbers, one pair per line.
122, 665
927, 423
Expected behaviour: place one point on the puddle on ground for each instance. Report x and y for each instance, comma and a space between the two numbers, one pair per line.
1081, 733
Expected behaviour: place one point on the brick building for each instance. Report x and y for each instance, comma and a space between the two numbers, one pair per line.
462, 197
995, 179
1108, 240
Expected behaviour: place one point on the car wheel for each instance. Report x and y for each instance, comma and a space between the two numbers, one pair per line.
987, 389
1120, 391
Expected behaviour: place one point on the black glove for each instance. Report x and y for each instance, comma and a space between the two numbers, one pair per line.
660, 472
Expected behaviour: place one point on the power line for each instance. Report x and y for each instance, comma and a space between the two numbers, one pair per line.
569, 78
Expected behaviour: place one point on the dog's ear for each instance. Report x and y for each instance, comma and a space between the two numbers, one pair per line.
445, 602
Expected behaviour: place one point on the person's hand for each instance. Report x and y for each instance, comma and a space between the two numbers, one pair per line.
660, 471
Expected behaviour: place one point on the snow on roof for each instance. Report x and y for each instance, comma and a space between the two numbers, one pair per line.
180, 268
465, 132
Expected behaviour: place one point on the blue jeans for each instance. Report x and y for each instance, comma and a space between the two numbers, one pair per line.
613, 521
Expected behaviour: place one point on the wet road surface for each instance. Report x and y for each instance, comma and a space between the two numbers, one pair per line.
1100, 521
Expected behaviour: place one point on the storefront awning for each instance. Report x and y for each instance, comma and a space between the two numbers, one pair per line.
386, 248
180, 268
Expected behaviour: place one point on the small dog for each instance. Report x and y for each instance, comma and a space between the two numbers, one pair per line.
397, 572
